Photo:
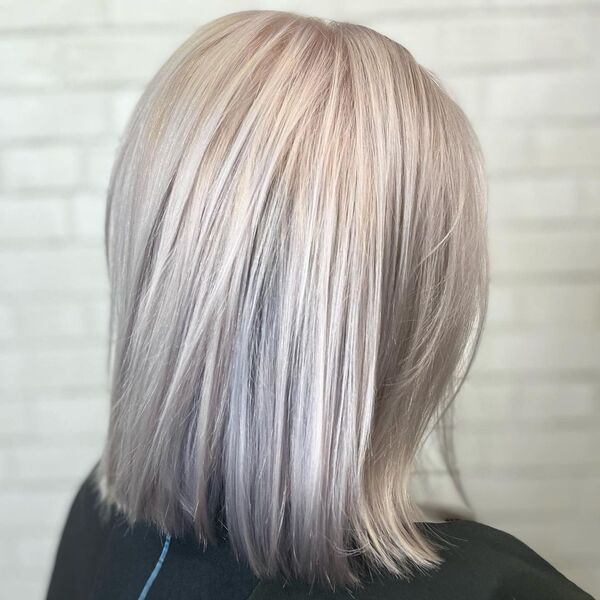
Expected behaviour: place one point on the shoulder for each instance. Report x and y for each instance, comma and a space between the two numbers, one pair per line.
478, 541
480, 562
500, 561
88, 514
83, 539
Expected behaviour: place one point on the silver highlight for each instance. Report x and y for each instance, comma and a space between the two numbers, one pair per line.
296, 245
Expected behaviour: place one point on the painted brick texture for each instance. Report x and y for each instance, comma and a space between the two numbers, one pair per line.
527, 72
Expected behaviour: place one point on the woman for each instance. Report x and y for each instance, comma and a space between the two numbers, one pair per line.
296, 246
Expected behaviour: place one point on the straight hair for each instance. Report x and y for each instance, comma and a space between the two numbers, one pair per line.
296, 247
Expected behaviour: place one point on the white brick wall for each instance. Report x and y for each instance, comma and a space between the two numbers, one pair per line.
528, 421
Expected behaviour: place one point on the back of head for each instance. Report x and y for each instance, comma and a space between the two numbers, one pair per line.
296, 247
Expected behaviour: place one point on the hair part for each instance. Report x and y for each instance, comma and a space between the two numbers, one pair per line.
295, 237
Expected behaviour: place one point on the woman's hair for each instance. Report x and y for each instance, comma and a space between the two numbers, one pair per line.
295, 236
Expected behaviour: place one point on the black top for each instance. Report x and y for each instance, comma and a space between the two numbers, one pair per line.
99, 560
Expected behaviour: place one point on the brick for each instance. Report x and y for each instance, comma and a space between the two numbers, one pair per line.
99, 317
98, 161
526, 419
553, 305
123, 103
516, 403
519, 252
41, 167
187, 13
505, 495
491, 449
32, 219
52, 319
33, 509
527, 351
506, 40
542, 3
53, 269
53, 367
52, 463
28, 116
356, 7
51, 13
15, 417
420, 38
34, 552
557, 306
468, 91
8, 325
501, 305
30, 61
542, 94
117, 58
24, 584
589, 196
6, 554
88, 216
11, 365
507, 149
562, 147
69, 417
527, 198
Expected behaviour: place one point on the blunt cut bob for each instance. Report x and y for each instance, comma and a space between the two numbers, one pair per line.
296, 246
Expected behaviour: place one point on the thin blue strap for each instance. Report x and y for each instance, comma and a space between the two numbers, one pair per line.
156, 570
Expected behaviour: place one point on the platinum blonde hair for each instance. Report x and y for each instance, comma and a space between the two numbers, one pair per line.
296, 246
